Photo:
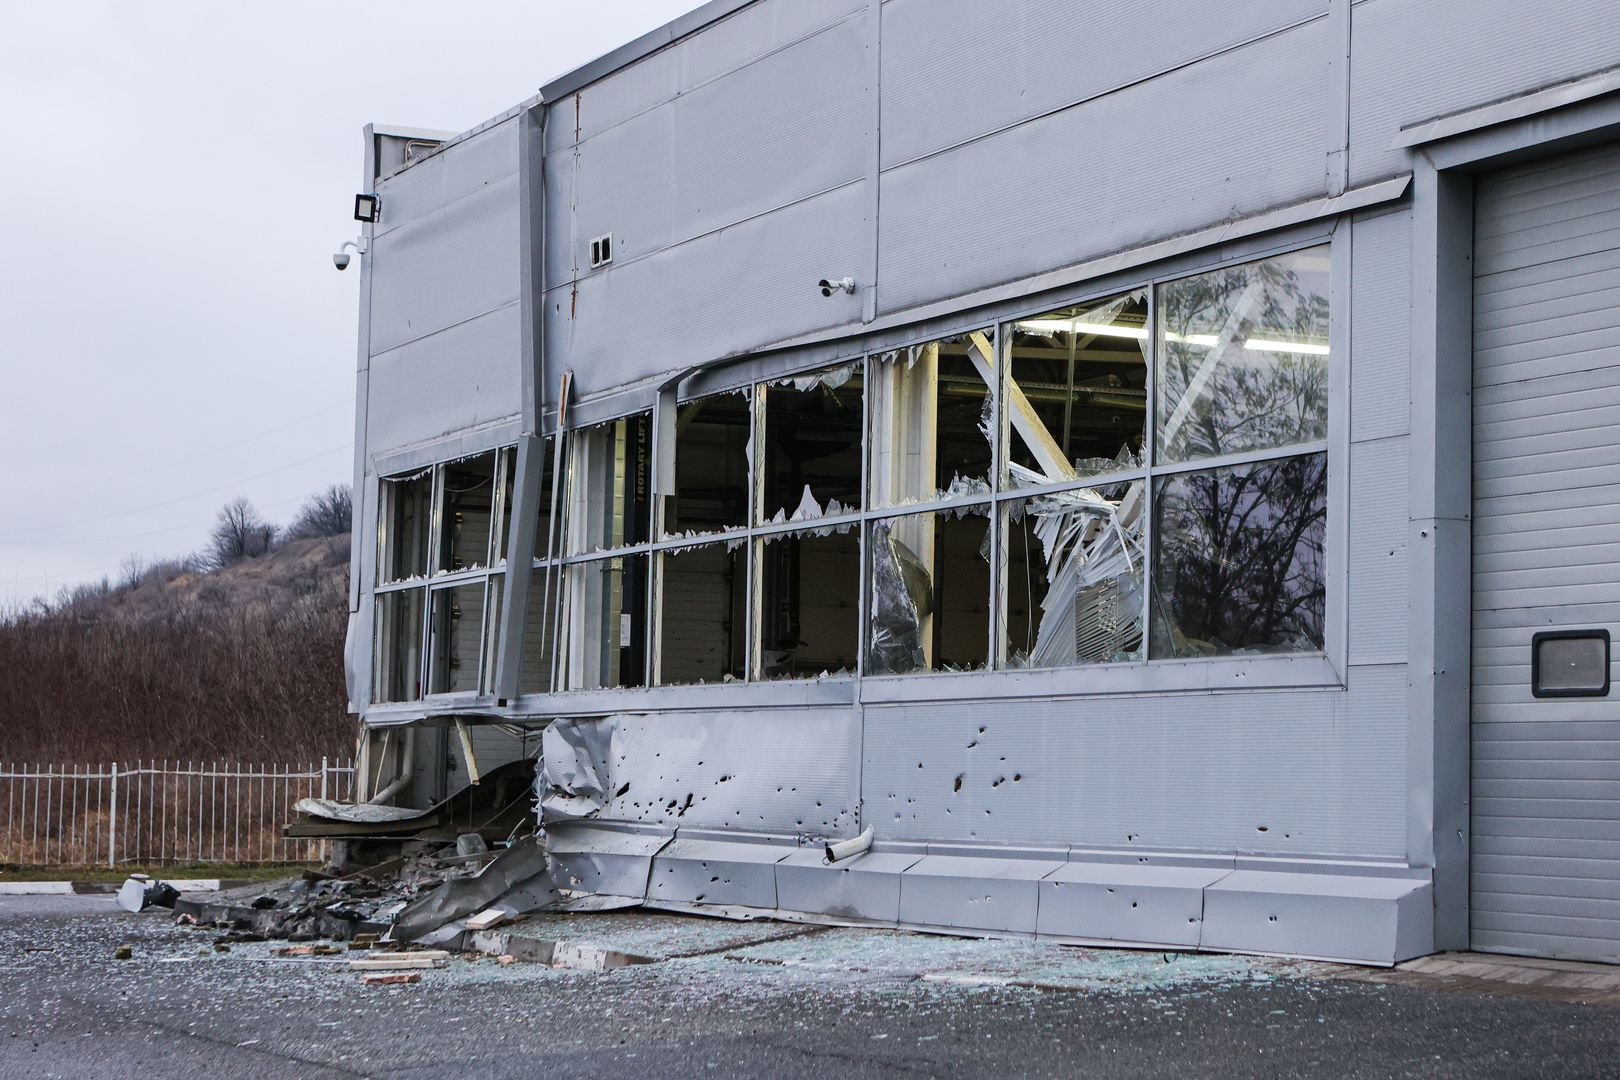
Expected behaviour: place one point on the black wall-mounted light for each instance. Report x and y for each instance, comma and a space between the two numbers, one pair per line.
367, 207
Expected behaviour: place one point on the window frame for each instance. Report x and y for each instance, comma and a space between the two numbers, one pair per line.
1324, 669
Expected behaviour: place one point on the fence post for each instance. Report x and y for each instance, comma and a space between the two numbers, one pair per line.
323, 776
112, 820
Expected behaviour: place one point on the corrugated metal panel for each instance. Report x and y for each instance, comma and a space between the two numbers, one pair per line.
1545, 860
957, 69
1201, 144
1317, 771
1379, 588
1381, 326
428, 186
722, 293
1417, 59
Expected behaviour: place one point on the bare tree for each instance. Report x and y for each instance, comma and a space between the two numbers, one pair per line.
239, 533
326, 513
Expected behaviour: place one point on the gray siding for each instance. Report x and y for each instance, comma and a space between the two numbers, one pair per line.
444, 336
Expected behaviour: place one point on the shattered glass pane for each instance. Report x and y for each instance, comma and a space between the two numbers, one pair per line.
932, 421
606, 646
610, 484
539, 631
1074, 576
466, 513
1238, 559
712, 446
1243, 358
1077, 391
405, 528
812, 459
929, 606
810, 603
703, 614
456, 631
397, 646
501, 538
543, 538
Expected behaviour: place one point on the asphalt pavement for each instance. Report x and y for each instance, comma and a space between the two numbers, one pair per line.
781, 1002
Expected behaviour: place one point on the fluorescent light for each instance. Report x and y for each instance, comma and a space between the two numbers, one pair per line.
1207, 341
1263, 345
1076, 326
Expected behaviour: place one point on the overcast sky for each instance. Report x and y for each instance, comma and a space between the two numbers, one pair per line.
174, 180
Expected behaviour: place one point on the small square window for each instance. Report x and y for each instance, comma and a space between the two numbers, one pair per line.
1569, 663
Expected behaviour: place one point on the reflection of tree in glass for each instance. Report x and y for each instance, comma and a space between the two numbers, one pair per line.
1218, 394
1239, 559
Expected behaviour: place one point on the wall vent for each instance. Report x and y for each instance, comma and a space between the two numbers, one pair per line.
601, 251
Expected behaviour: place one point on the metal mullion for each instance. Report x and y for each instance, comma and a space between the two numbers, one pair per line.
997, 605
863, 554
780, 528
1150, 443
1248, 457
731, 535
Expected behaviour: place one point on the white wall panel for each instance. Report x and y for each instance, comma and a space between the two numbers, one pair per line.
1319, 771
957, 69
1238, 133
1414, 60
454, 173
445, 267
450, 381
748, 35
1379, 590
1381, 326
722, 293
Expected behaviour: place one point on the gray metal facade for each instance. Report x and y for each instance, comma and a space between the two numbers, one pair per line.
966, 163
1546, 776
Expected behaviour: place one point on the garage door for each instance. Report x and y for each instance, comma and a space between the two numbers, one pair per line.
1545, 851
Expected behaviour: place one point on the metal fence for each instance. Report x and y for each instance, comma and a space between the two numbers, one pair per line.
160, 812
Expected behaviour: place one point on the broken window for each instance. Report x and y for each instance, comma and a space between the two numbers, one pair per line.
812, 455
405, 527
929, 601
539, 631
703, 609
1076, 391
610, 484
1074, 576
1238, 562
713, 441
397, 655
455, 636
933, 417
809, 607
466, 513
506, 481
550, 508
606, 639
494, 603
1243, 358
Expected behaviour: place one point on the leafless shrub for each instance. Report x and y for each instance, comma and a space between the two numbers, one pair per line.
326, 513
239, 533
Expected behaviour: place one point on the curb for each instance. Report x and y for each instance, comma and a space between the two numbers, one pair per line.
108, 888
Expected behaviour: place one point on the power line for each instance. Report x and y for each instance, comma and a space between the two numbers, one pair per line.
178, 498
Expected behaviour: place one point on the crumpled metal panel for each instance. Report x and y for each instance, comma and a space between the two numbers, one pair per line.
789, 771
1162, 905
1329, 916
997, 895
717, 872
615, 861
864, 887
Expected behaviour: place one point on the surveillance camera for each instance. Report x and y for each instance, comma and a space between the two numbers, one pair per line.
828, 286
341, 260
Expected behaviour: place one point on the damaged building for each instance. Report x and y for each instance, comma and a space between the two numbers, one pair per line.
1147, 472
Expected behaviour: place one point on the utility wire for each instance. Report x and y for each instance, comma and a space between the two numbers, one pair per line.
177, 499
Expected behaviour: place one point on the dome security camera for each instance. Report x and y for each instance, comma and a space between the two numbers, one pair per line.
341, 260
341, 257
